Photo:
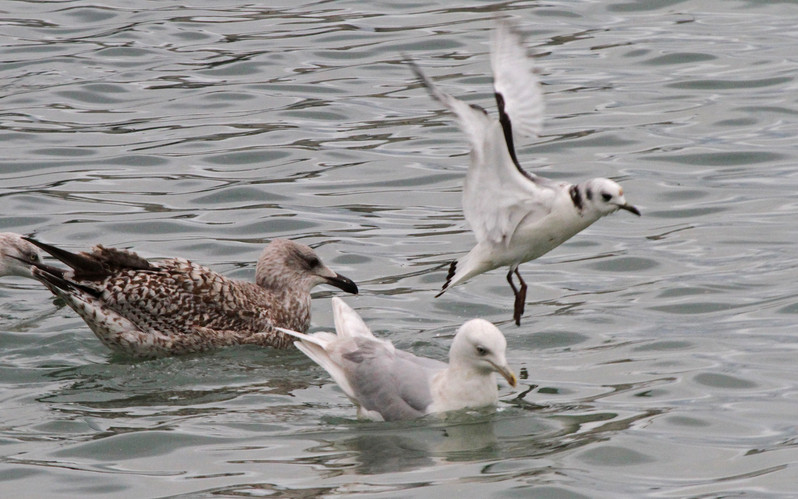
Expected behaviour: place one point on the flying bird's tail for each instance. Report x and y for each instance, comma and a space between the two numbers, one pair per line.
449, 276
464, 268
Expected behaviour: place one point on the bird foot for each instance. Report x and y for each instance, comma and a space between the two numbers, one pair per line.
518, 309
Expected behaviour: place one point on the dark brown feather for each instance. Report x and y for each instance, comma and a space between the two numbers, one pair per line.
98, 264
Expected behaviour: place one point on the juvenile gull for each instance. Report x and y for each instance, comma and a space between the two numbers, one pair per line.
17, 256
516, 216
171, 307
390, 384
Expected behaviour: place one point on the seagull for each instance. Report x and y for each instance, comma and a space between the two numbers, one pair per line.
387, 384
153, 309
516, 215
17, 256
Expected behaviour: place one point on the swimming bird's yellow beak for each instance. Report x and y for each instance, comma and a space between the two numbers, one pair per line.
507, 374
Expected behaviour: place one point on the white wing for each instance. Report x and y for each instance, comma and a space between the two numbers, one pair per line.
321, 348
473, 120
515, 79
498, 196
396, 384
348, 324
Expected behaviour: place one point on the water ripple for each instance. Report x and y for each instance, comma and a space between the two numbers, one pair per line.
657, 355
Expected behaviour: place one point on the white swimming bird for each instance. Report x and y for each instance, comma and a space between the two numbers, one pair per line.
390, 384
516, 216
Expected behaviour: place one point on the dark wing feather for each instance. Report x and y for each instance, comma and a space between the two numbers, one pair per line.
97, 265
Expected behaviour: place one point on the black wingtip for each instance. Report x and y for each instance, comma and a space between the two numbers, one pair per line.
426, 82
54, 279
83, 265
412, 63
49, 279
419, 74
39, 265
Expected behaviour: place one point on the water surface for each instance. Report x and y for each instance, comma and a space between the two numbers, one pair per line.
658, 353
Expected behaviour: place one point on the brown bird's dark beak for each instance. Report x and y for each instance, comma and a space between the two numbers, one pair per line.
343, 283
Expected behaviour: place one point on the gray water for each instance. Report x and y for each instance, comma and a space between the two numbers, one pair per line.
657, 353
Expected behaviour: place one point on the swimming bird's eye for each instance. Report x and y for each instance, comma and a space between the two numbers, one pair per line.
606, 197
33, 257
482, 351
313, 262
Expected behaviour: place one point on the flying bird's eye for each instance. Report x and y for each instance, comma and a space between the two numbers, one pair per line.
482, 351
606, 197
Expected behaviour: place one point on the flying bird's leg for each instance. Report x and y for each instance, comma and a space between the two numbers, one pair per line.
510, 280
520, 295
521, 299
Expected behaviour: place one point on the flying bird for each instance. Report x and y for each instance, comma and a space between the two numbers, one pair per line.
516, 215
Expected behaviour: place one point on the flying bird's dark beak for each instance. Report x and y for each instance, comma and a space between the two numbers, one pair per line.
343, 283
630, 209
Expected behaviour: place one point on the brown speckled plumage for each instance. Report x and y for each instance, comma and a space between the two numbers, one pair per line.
174, 306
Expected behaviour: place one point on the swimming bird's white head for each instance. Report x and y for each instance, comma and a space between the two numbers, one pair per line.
17, 256
288, 264
603, 196
479, 345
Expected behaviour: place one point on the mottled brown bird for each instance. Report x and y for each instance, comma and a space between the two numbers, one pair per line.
171, 307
